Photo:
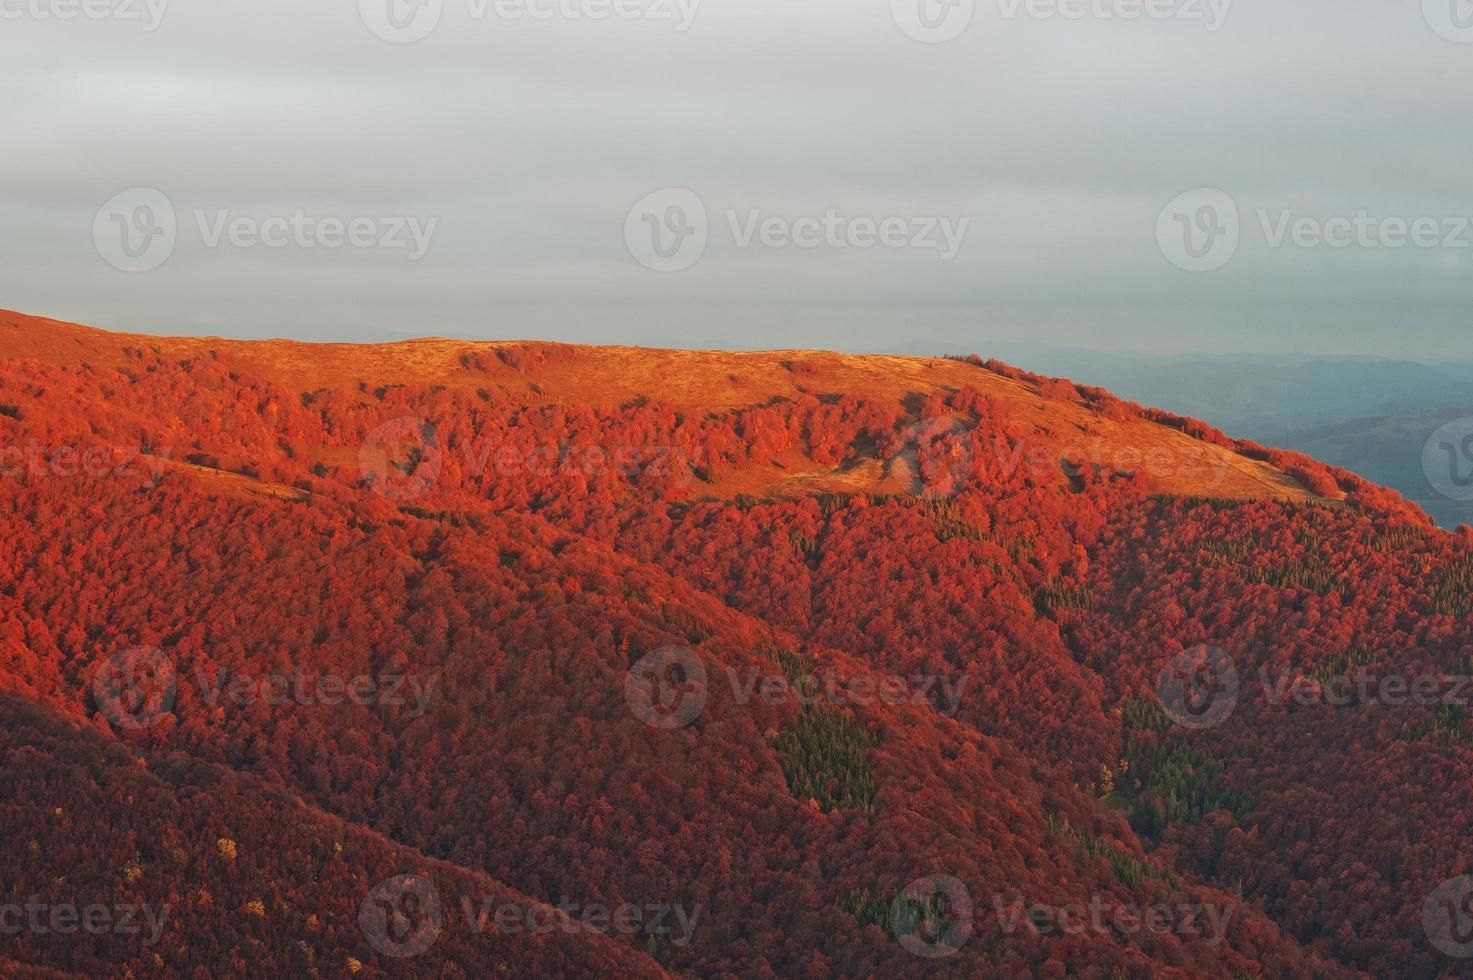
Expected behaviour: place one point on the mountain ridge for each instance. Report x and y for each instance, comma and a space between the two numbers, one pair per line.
465, 516
713, 380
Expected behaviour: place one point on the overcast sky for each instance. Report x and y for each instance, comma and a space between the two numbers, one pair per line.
858, 174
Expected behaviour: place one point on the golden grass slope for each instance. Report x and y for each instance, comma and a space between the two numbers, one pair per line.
698, 381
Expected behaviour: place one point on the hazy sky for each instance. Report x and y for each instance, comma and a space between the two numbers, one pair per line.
313, 172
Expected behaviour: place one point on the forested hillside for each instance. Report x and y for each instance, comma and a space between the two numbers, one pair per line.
526, 659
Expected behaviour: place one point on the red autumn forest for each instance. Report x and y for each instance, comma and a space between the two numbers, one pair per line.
315, 651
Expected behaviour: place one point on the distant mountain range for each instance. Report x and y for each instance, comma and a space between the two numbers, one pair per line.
1369, 415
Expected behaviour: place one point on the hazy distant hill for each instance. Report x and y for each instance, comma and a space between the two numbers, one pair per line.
1388, 450
1369, 415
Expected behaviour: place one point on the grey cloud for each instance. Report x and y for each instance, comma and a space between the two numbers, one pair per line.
529, 142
